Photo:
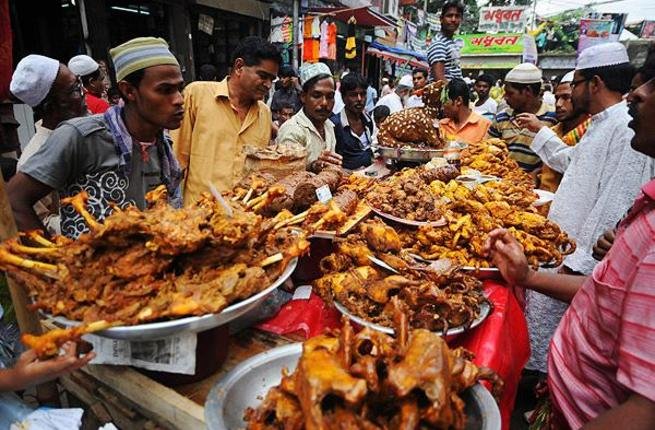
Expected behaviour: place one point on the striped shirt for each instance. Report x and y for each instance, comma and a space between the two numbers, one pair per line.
604, 348
444, 50
519, 139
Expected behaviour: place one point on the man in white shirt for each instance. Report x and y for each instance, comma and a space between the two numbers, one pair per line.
602, 175
420, 80
395, 100
484, 105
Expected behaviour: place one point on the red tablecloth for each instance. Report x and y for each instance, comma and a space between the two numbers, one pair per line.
500, 342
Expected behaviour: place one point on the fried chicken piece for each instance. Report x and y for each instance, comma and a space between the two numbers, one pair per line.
380, 237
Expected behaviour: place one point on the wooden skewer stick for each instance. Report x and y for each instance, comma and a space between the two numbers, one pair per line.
275, 258
248, 195
15, 260
257, 200
301, 216
36, 236
318, 224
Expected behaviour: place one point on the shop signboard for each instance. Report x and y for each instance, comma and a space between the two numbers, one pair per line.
503, 19
648, 30
491, 44
594, 32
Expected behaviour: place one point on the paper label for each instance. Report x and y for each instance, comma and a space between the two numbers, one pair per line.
175, 354
303, 292
323, 194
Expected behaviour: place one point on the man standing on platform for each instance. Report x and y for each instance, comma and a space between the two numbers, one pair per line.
522, 94
443, 52
221, 118
93, 80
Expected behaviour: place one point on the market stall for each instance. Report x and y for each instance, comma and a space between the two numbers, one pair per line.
398, 259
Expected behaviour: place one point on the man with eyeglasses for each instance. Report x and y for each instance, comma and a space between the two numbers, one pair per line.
93, 80
55, 94
601, 175
602, 358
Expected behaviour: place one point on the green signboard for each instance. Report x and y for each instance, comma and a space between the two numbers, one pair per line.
491, 44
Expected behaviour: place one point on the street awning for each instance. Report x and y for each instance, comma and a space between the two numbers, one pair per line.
365, 16
398, 55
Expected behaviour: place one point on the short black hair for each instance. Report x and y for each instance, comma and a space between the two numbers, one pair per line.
287, 72
486, 78
208, 72
380, 112
452, 4
534, 87
87, 79
352, 81
421, 71
459, 88
253, 50
648, 68
616, 78
134, 79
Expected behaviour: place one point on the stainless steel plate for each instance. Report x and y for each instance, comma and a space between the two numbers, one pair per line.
196, 324
409, 154
485, 310
247, 384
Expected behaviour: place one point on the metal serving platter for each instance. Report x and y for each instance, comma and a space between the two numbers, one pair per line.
194, 324
247, 384
414, 153
438, 223
485, 310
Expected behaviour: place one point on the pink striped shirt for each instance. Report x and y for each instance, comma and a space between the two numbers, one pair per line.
604, 348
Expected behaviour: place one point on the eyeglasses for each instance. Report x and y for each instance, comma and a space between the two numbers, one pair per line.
648, 86
579, 81
78, 88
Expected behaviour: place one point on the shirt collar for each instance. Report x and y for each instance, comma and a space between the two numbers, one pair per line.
344, 118
222, 90
609, 112
472, 119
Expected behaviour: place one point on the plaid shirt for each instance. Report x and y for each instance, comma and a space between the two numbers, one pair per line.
604, 348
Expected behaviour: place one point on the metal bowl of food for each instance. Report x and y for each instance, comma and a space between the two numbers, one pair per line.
247, 384
194, 324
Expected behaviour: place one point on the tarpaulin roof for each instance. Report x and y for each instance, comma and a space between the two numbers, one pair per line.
365, 16
398, 55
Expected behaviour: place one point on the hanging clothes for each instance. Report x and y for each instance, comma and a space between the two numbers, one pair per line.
276, 30
351, 46
287, 30
332, 41
316, 28
307, 26
323, 48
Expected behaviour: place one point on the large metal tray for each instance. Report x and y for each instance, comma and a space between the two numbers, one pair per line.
409, 154
485, 310
195, 324
247, 384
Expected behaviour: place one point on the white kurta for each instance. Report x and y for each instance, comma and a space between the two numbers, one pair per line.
602, 177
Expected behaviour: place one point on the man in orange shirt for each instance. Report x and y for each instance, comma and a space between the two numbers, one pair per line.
460, 122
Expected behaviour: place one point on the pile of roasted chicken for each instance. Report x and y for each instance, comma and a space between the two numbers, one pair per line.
472, 213
491, 157
407, 194
370, 380
141, 266
354, 277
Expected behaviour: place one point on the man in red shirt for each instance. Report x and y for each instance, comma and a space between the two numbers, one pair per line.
601, 363
93, 80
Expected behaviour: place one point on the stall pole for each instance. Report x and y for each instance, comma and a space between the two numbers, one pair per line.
296, 35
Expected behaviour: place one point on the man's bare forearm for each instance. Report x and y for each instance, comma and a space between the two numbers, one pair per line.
556, 285
636, 413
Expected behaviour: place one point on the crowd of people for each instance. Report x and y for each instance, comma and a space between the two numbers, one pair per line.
591, 321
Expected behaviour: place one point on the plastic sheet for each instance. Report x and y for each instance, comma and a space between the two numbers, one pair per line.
500, 342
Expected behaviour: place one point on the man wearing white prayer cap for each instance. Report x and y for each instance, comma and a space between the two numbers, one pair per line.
522, 94
397, 100
56, 95
52, 90
311, 127
602, 175
93, 79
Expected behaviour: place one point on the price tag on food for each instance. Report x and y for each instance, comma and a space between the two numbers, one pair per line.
323, 194
303, 292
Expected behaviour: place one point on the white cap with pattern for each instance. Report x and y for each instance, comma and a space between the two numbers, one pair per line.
33, 78
603, 55
83, 65
526, 73
312, 70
